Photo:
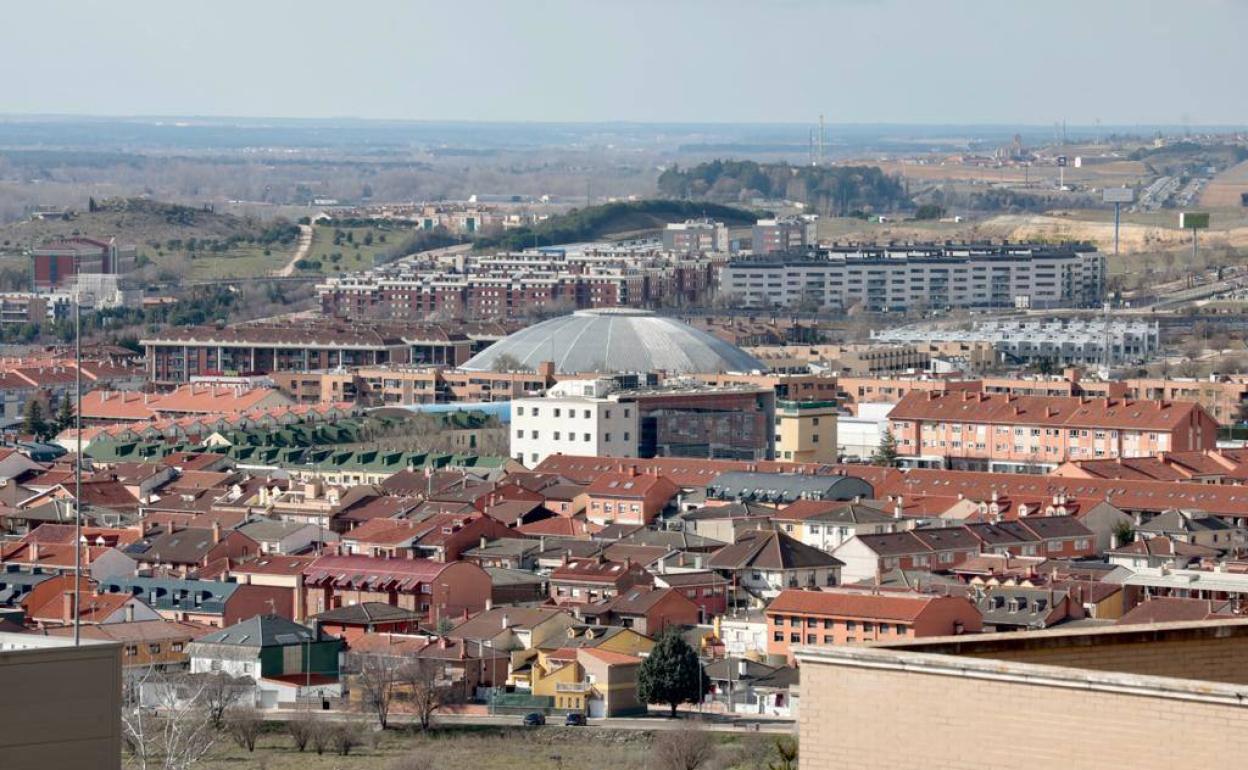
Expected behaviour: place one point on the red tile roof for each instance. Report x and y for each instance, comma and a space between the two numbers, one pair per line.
1052, 411
844, 604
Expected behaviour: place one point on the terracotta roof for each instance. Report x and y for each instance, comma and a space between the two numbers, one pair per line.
366, 570
274, 565
630, 486
608, 657
1051, 411
832, 510
685, 472
891, 606
594, 570
1174, 609
1164, 546
559, 526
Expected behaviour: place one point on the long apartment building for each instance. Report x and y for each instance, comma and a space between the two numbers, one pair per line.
514, 284
1060, 341
178, 354
901, 278
1034, 434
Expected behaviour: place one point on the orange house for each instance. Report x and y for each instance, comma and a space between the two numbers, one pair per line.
825, 618
628, 497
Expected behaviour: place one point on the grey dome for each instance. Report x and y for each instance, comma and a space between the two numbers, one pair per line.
616, 340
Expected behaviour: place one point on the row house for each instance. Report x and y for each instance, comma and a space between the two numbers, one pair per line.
1035, 434
436, 589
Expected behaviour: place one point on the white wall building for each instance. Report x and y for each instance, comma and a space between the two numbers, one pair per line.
858, 436
574, 417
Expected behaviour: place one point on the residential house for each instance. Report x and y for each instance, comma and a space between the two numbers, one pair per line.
439, 590
852, 616
708, 590
826, 524
645, 609
289, 663
628, 497
761, 564
354, 621
585, 581
1193, 527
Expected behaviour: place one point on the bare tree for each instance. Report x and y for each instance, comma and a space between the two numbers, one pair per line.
422, 689
219, 692
300, 728
377, 677
345, 736
413, 761
165, 723
245, 724
689, 748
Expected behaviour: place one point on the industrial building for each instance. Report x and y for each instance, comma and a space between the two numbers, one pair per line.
1060, 341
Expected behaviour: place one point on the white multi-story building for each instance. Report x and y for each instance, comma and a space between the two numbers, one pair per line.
580, 417
1061, 341
898, 279
696, 235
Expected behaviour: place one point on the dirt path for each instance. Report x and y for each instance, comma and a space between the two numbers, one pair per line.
302, 248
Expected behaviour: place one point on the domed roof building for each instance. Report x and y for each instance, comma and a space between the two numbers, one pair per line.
615, 340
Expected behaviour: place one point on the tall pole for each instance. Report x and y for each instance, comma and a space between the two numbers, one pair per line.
1117, 214
78, 447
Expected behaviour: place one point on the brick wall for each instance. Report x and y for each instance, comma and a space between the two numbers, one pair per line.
892, 708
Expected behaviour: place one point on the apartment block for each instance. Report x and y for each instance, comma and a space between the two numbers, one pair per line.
784, 234
1035, 434
898, 279
806, 431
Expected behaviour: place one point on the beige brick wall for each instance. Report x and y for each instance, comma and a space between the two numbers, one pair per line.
1218, 660
857, 717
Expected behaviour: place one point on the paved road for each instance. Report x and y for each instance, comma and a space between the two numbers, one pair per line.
302, 248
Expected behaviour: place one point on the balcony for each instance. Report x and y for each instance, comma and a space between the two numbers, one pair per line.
574, 687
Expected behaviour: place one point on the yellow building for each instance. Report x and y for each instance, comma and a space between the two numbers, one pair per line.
806, 431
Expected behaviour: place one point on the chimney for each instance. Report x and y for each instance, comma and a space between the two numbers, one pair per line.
898, 507
489, 603
743, 667
67, 607
506, 621
33, 549
130, 612
441, 642
216, 532
483, 541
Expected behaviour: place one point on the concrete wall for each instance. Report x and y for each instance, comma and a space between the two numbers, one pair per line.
61, 706
894, 707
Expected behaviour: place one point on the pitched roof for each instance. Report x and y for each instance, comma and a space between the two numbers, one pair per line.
1166, 609
368, 612
630, 486
765, 549
261, 631
491, 623
1052, 411
835, 511
891, 606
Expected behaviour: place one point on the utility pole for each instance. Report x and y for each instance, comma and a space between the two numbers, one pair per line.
78, 446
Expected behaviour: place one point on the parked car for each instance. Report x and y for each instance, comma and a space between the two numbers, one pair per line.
534, 720
575, 720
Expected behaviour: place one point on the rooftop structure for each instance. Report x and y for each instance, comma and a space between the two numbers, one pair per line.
615, 340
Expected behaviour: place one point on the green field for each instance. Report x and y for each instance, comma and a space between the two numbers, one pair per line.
483, 748
338, 254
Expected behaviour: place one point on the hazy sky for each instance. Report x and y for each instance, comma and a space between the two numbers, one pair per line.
902, 61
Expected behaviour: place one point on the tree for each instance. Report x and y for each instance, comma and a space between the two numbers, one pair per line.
34, 421
377, 675
244, 725
886, 455
164, 721
672, 674
419, 680
345, 736
65, 415
508, 363
689, 748
786, 748
300, 728
217, 693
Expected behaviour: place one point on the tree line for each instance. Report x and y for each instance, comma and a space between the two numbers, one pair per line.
831, 190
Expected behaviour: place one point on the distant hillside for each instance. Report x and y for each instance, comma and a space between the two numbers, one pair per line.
831, 190
181, 240
596, 222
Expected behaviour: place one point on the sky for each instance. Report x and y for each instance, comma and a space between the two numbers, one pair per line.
1123, 62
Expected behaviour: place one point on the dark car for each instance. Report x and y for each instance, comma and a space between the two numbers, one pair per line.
534, 720
575, 720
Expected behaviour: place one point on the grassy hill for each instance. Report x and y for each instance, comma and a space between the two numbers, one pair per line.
599, 222
175, 240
